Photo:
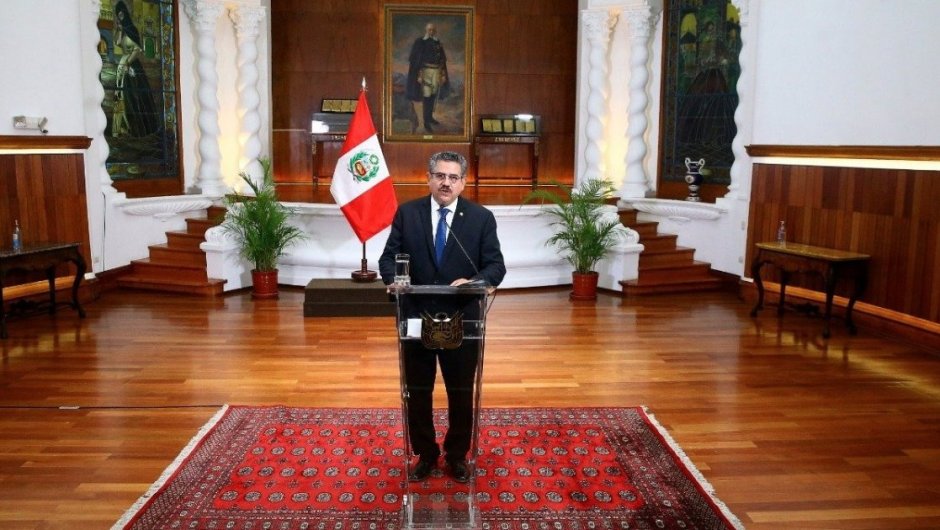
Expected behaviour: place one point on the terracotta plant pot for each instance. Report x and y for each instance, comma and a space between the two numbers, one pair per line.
264, 284
583, 286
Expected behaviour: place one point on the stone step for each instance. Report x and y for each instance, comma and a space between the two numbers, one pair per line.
633, 288
199, 226
658, 242
661, 258
163, 253
148, 269
184, 240
645, 230
212, 287
627, 217
697, 270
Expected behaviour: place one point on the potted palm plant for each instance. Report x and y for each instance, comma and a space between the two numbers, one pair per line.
582, 233
260, 226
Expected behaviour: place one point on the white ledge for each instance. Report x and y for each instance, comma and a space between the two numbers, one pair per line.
164, 206
681, 211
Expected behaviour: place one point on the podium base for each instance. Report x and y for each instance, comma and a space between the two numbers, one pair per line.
437, 510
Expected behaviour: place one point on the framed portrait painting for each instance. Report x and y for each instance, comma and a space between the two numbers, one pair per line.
428, 73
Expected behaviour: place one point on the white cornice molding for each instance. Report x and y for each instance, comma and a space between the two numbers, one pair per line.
681, 211
163, 207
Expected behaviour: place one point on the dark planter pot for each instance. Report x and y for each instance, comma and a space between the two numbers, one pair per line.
583, 286
264, 284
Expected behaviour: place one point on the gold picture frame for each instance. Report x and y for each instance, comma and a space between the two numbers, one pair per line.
338, 105
425, 103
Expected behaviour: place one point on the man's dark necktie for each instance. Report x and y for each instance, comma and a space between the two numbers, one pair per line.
440, 239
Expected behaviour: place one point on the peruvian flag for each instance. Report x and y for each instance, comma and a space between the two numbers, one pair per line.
361, 185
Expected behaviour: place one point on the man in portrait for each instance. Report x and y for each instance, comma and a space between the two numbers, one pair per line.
427, 74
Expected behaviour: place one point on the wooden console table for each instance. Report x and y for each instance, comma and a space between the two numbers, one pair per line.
831, 264
317, 142
44, 257
530, 141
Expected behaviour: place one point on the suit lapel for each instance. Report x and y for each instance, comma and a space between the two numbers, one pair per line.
456, 227
425, 216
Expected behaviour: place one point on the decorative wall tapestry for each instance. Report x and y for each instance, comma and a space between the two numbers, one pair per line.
701, 69
138, 51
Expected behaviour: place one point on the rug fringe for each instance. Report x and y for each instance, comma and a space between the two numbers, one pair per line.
169, 471
696, 474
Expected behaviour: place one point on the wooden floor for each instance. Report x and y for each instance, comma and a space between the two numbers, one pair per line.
792, 431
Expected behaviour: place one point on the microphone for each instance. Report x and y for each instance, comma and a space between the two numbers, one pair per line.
480, 282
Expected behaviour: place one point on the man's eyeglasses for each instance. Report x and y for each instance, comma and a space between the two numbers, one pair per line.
452, 178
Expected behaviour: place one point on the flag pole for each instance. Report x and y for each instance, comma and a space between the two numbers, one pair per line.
364, 274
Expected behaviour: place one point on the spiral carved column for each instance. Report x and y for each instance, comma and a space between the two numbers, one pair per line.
740, 183
204, 15
597, 26
635, 182
96, 122
247, 20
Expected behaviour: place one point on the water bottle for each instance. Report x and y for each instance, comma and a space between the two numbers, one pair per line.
782, 233
17, 239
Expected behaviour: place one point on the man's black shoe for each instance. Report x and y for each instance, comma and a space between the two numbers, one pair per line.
459, 470
421, 471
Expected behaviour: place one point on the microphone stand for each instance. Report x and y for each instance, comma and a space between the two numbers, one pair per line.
364, 274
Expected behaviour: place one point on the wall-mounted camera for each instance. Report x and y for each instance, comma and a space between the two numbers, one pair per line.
31, 122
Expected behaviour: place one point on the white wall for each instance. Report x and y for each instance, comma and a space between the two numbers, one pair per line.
42, 49
41, 63
847, 72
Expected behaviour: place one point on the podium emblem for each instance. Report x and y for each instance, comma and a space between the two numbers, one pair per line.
441, 331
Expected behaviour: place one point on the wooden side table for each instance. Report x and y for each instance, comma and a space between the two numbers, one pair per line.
796, 258
44, 257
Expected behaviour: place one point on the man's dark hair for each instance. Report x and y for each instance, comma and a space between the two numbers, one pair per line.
448, 156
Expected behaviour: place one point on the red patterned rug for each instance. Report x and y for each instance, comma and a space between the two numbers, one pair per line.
291, 468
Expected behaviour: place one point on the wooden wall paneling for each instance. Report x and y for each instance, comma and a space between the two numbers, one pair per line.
931, 260
30, 178
291, 156
46, 194
924, 200
408, 162
887, 213
322, 49
9, 206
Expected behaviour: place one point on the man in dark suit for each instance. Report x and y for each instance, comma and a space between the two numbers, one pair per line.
427, 74
450, 242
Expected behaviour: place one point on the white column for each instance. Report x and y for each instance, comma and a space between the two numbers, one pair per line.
204, 16
98, 183
597, 26
95, 120
247, 20
739, 187
635, 182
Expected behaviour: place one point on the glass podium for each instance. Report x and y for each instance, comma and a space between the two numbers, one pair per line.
441, 318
